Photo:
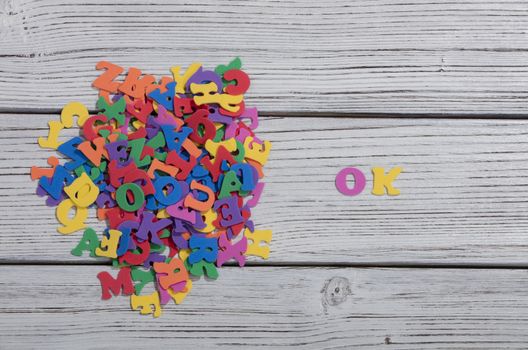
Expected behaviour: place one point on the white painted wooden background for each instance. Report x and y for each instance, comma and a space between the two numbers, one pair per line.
440, 266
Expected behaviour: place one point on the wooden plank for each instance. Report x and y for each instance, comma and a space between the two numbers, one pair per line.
426, 57
273, 308
463, 192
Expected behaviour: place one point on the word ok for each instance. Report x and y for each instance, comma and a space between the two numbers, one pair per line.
381, 182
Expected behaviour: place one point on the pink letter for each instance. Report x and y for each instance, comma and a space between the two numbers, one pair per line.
341, 181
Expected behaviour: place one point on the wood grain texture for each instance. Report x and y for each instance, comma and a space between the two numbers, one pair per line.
368, 56
463, 192
273, 308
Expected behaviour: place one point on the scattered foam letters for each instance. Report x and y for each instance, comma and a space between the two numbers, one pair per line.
174, 170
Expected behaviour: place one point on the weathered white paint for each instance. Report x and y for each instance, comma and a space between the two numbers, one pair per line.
368, 56
463, 189
463, 192
59, 307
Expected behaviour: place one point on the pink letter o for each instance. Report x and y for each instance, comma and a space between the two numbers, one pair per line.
359, 181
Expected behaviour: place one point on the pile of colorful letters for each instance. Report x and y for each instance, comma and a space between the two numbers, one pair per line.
173, 166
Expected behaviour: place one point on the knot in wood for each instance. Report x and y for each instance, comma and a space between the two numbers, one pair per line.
335, 290
9, 19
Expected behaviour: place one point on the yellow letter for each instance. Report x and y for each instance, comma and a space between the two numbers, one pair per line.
179, 296
83, 192
52, 141
145, 304
110, 244
74, 224
382, 181
255, 151
212, 147
208, 218
208, 93
257, 237
181, 80
72, 109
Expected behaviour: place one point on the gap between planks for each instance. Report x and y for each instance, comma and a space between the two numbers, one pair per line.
307, 264
348, 115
